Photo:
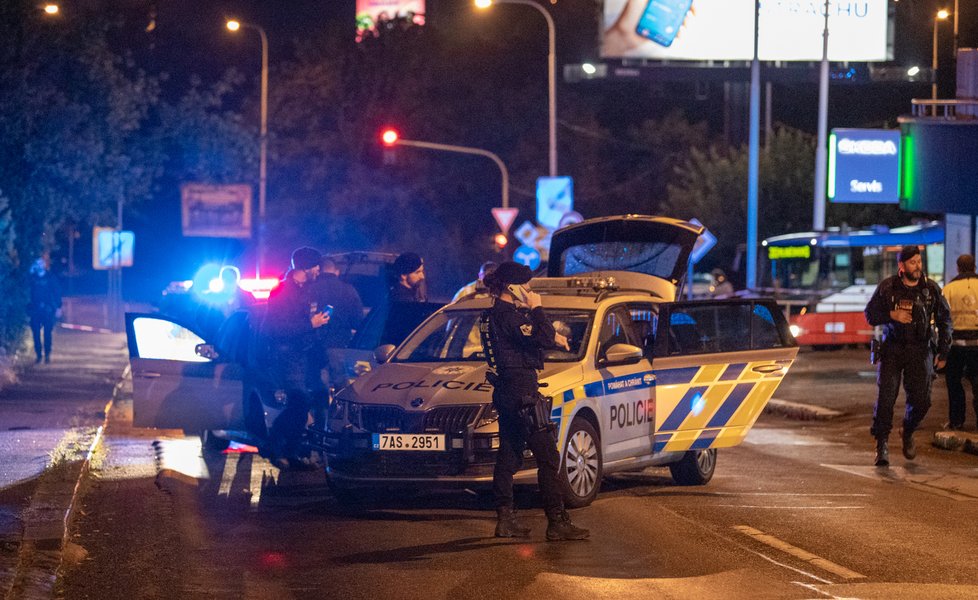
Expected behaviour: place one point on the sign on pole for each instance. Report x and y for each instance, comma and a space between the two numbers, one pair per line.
555, 198
216, 210
864, 166
528, 256
112, 249
704, 243
504, 217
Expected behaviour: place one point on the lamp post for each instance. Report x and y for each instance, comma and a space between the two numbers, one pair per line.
941, 15
234, 25
551, 72
818, 211
390, 138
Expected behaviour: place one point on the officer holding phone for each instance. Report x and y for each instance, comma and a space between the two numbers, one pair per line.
515, 332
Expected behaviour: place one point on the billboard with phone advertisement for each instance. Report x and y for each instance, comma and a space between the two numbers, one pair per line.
788, 30
372, 12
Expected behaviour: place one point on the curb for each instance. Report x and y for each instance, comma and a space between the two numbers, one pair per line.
956, 441
799, 411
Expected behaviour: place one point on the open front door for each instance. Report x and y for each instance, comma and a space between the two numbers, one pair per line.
717, 363
172, 386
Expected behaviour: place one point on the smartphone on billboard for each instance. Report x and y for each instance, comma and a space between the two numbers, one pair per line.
662, 19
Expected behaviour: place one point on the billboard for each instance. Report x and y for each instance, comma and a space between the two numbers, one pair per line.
864, 166
371, 12
216, 210
789, 30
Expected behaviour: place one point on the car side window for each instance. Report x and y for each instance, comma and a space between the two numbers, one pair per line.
709, 328
764, 329
645, 318
616, 328
158, 338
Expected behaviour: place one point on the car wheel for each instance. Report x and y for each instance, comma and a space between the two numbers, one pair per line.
696, 467
580, 471
212, 443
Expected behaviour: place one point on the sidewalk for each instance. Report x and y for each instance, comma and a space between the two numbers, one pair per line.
49, 420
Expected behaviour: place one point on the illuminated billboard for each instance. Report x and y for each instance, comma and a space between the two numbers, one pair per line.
864, 166
372, 12
724, 30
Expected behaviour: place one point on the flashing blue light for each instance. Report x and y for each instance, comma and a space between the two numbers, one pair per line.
215, 283
699, 403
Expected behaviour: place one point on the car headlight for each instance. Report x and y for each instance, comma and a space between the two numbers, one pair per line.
345, 410
488, 416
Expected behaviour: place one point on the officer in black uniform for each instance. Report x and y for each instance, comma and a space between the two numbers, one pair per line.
908, 306
291, 320
515, 332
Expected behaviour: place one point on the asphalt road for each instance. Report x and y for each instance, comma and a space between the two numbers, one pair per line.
795, 512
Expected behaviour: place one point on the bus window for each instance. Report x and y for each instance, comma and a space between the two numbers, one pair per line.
935, 262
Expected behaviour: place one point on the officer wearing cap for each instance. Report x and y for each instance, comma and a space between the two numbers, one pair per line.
291, 320
409, 281
908, 306
515, 333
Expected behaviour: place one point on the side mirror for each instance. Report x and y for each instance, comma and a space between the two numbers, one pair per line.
622, 354
383, 353
207, 351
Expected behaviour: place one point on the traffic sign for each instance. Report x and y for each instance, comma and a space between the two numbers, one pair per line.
112, 249
505, 217
570, 218
703, 244
527, 256
555, 198
527, 233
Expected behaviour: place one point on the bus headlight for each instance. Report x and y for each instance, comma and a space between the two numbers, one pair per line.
795, 330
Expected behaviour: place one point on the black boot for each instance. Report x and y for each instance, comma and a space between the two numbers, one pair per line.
882, 453
560, 528
909, 448
507, 525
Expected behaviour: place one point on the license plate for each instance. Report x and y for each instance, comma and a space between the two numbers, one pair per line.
409, 441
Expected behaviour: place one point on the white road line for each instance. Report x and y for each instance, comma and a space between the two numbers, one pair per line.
814, 588
227, 476
786, 494
257, 479
813, 559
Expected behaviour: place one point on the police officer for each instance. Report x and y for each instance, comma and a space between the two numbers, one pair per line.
408, 283
44, 307
908, 306
291, 320
962, 297
515, 332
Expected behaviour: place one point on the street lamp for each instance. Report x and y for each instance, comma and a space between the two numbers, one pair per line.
233, 26
941, 15
551, 72
52, 9
391, 138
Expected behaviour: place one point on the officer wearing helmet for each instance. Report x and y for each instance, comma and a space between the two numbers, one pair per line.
290, 325
515, 333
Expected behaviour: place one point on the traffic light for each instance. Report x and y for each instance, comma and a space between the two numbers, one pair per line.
389, 137
499, 241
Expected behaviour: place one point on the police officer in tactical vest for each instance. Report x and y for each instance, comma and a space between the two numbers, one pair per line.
515, 332
909, 307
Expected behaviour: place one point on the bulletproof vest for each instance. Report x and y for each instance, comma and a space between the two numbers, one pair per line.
920, 300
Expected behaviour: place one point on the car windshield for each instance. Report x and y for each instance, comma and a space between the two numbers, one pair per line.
453, 336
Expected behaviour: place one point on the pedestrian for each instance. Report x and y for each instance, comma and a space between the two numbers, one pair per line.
346, 312
44, 307
908, 306
515, 332
408, 279
962, 298
478, 285
291, 320
722, 288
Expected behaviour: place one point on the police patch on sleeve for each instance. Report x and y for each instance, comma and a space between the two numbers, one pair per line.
527, 329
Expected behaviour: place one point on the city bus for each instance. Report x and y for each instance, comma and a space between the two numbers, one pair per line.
825, 279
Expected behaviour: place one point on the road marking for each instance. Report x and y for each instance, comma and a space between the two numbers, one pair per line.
804, 555
957, 484
789, 507
786, 494
257, 480
814, 588
227, 476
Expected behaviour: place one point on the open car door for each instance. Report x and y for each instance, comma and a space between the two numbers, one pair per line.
175, 388
717, 363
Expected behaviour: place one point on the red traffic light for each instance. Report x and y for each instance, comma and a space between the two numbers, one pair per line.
500, 240
389, 137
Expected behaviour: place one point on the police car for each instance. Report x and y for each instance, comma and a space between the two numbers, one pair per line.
647, 381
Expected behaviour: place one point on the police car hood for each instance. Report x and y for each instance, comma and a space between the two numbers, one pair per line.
434, 384
653, 246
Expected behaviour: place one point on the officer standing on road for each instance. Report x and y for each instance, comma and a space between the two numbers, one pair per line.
962, 297
908, 306
290, 325
44, 307
515, 332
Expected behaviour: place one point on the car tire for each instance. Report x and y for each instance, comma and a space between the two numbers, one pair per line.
696, 467
212, 443
581, 464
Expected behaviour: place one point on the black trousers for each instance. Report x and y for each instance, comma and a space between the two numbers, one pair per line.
45, 322
514, 437
287, 434
915, 365
961, 362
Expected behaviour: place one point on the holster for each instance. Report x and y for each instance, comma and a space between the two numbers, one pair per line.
535, 413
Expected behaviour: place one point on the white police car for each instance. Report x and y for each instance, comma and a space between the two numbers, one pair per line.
647, 380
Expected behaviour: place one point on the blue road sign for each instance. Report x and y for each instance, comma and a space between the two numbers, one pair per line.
555, 198
703, 244
527, 256
113, 249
